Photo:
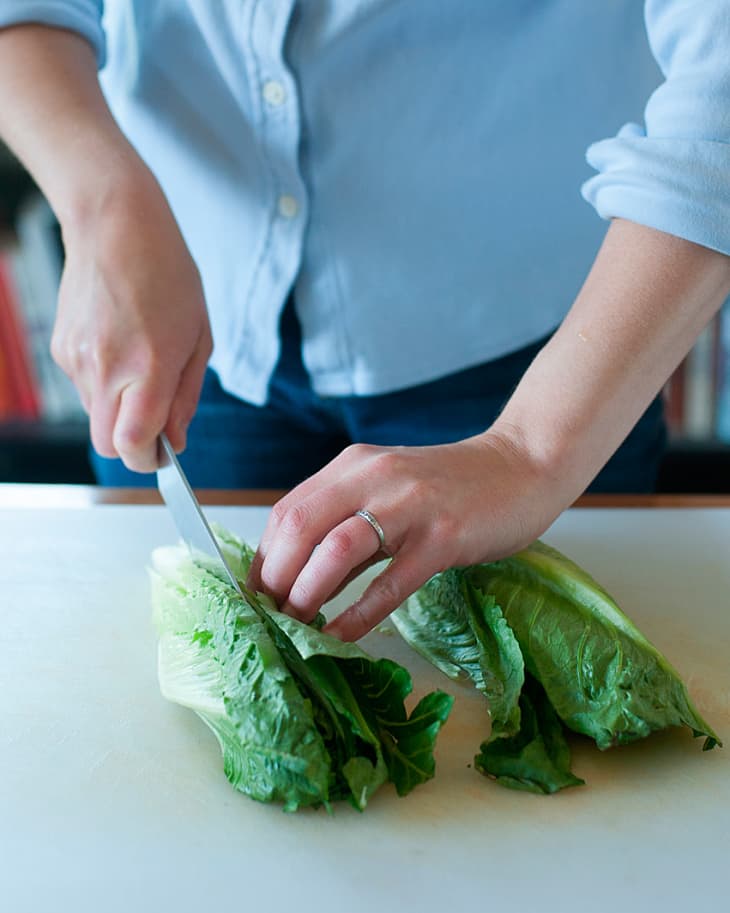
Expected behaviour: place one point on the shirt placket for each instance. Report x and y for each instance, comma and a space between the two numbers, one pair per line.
278, 127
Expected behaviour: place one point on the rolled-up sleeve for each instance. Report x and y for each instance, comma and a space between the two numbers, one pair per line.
82, 16
673, 173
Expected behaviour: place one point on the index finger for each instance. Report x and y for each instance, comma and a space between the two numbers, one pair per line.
276, 516
402, 577
143, 412
296, 527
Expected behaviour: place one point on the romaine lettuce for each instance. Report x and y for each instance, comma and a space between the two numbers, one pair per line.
335, 729
545, 643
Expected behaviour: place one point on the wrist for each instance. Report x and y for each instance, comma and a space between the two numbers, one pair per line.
104, 196
544, 449
544, 489
87, 191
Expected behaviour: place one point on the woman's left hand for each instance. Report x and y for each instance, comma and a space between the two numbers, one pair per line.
643, 304
441, 506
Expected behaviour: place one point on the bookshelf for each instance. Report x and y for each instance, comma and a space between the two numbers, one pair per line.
43, 430
48, 440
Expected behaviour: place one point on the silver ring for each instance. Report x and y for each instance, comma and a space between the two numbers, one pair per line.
369, 518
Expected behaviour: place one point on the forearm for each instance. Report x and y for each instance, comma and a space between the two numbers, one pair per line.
644, 303
53, 115
131, 329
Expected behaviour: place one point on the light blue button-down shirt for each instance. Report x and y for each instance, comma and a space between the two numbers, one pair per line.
412, 168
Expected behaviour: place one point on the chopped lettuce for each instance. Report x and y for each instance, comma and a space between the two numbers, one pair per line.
537, 757
549, 648
304, 727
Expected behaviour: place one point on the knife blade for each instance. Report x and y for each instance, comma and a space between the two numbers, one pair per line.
187, 513
188, 516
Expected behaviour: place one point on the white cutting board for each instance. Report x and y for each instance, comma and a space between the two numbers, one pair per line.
113, 800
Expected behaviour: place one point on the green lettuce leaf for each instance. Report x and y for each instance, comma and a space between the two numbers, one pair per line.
537, 758
463, 633
328, 724
584, 663
602, 676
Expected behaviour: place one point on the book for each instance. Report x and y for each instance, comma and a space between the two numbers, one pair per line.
674, 400
700, 382
722, 418
36, 264
697, 395
7, 393
21, 395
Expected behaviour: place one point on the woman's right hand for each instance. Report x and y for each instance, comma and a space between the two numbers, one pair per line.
132, 330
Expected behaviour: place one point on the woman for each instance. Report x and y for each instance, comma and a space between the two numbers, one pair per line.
381, 200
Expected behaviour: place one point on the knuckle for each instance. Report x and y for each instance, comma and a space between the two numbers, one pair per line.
148, 361
59, 351
359, 620
420, 491
127, 444
445, 528
354, 453
99, 358
295, 521
389, 464
386, 590
69, 357
278, 512
130, 438
339, 545
101, 355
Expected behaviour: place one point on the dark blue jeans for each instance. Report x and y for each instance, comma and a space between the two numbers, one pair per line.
232, 444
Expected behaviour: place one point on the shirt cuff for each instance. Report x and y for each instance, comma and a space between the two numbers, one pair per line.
679, 186
81, 16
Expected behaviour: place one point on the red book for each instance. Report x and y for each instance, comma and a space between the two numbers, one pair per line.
674, 395
7, 393
13, 343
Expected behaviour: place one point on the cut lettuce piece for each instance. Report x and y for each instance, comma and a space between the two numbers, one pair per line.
602, 676
464, 634
338, 731
585, 662
537, 758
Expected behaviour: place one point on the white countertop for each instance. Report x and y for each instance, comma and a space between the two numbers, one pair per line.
113, 800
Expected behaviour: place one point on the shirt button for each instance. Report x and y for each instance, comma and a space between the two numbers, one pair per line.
288, 206
274, 93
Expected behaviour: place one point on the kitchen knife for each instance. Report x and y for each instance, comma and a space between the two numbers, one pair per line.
194, 530
188, 515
